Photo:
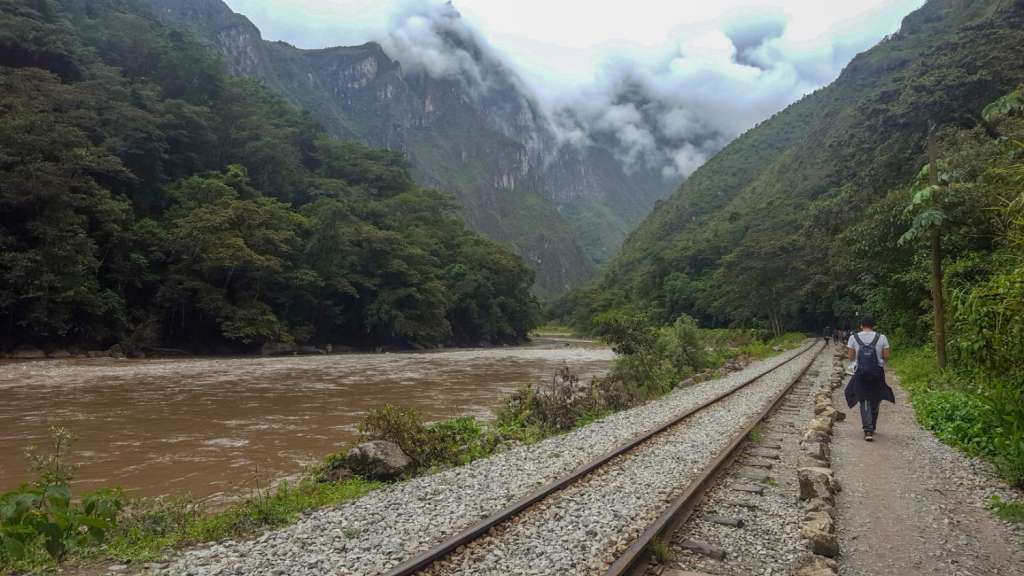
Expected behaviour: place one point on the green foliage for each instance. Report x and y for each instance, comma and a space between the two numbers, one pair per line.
44, 514
661, 550
1012, 103
651, 358
979, 413
442, 444
795, 224
651, 361
1009, 510
41, 524
150, 527
150, 199
563, 406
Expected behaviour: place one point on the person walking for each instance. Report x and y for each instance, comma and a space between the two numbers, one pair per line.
826, 333
867, 386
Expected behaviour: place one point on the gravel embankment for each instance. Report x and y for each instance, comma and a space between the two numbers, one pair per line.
581, 530
378, 531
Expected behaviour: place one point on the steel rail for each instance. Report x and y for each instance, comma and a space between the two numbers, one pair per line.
631, 561
429, 557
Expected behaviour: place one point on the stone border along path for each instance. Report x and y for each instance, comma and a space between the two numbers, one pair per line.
367, 536
910, 505
750, 521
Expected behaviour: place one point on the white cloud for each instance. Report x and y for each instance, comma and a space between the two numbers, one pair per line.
671, 82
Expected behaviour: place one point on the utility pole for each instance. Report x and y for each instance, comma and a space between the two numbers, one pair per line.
938, 305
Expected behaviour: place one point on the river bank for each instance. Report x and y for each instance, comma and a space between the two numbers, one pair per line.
148, 529
213, 426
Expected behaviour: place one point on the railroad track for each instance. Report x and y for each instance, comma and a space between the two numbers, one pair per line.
673, 463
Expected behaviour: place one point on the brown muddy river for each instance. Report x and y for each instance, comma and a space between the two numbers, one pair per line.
213, 426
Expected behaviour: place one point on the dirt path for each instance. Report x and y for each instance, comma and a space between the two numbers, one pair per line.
911, 505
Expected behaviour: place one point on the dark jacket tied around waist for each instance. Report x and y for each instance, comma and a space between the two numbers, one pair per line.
862, 388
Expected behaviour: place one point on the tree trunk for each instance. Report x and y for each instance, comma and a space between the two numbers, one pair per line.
938, 305
937, 299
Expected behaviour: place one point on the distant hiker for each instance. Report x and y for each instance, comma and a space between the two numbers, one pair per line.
870, 350
826, 333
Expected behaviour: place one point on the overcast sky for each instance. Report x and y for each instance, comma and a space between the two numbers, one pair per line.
712, 68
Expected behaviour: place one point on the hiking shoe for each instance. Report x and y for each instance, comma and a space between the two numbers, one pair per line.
869, 436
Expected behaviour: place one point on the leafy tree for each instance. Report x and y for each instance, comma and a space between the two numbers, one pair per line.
147, 198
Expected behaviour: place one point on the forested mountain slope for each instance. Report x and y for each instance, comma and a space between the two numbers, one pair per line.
148, 198
756, 235
563, 208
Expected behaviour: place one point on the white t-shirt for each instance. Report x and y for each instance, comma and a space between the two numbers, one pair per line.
866, 336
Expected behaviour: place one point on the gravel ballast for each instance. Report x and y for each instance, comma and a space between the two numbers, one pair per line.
581, 530
378, 531
769, 541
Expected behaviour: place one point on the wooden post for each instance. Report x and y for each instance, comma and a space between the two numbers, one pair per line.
938, 304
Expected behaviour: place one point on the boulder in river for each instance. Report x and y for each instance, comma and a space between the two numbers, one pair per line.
60, 353
378, 460
27, 352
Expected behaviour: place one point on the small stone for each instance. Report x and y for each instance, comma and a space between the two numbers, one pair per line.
751, 488
726, 521
806, 461
816, 436
815, 482
753, 474
810, 565
819, 542
818, 505
816, 450
821, 424
703, 549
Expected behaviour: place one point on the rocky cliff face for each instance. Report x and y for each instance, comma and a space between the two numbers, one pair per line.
478, 135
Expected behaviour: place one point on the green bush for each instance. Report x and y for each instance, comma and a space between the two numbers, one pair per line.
47, 514
446, 443
42, 524
652, 359
1005, 402
44, 513
976, 412
1009, 510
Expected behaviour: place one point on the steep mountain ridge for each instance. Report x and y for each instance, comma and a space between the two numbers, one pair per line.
564, 208
756, 233
151, 200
